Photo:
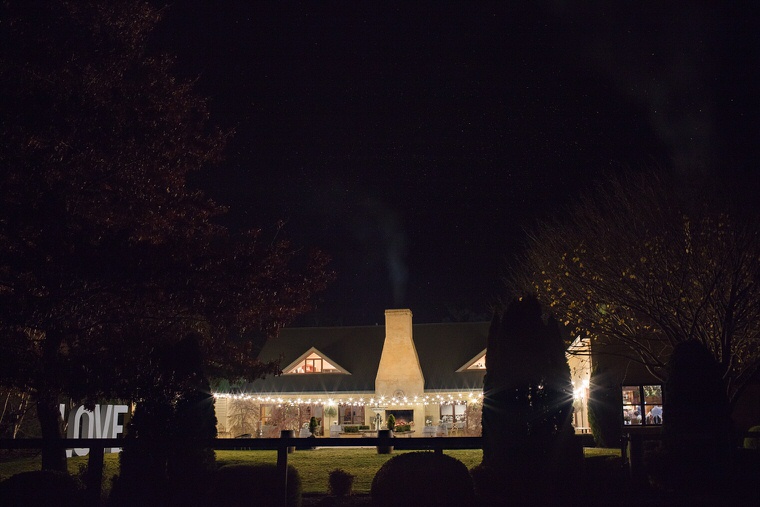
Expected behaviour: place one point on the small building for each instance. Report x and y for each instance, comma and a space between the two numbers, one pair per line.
429, 376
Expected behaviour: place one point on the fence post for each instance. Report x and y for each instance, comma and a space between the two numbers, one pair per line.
384, 447
94, 485
636, 459
282, 465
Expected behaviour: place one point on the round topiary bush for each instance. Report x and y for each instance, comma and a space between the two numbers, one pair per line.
40, 488
422, 479
489, 484
340, 482
245, 485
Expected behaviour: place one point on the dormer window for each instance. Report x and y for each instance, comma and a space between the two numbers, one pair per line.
480, 364
313, 361
476, 363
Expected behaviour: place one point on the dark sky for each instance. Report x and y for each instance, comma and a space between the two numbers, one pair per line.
413, 141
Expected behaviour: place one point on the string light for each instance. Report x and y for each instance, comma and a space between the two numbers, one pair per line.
457, 398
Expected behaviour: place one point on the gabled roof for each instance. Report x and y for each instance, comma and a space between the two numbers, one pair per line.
442, 349
356, 349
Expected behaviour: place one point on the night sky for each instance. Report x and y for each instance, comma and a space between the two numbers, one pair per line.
414, 143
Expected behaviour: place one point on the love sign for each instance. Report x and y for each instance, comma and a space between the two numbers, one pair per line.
102, 422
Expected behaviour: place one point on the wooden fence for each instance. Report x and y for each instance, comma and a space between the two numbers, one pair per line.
283, 445
287, 442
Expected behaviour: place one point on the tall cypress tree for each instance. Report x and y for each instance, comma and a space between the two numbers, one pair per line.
527, 410
696, 421
194, 423
604, 408
176, 418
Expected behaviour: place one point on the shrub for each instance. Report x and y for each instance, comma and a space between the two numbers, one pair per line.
313, 426
697, 423
391, 422
753, 442
488, 484
40, 488
363, 428
604, 409
340, 482
244, 485
350, 429
403, 427
527, 407
142, 467
423, 479
178, 407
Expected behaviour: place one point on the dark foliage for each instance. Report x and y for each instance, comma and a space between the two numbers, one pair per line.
697, 425
340, 482
164, 455
190, 463
106, 252
41, 488
313, 426
640, 266
244, 485
527, 407
752, 442
489, 484
423, 479
744, 480
142, 475
604, 409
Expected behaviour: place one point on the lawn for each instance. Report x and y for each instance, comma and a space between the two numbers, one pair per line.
312, 465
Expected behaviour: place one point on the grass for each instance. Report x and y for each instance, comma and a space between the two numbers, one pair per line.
313, 466
29, 462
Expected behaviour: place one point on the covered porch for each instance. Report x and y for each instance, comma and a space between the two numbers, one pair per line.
265, 416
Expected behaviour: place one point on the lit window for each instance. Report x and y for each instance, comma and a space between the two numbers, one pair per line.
476, 363
642, 405
480, 364
313, 362
351, 415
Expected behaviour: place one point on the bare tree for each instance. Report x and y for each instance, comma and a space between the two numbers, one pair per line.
285, 417
244, 416
635, 265
15, 408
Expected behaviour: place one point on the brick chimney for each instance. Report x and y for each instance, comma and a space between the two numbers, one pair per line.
399, 370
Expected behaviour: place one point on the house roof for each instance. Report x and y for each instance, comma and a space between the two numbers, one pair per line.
442, 349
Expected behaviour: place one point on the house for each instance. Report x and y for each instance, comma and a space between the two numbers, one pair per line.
424, 374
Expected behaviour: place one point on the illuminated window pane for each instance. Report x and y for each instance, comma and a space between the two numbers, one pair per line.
479, 364
351, 415
642, 404
653, 395
632, 414
314, 363
631, 395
